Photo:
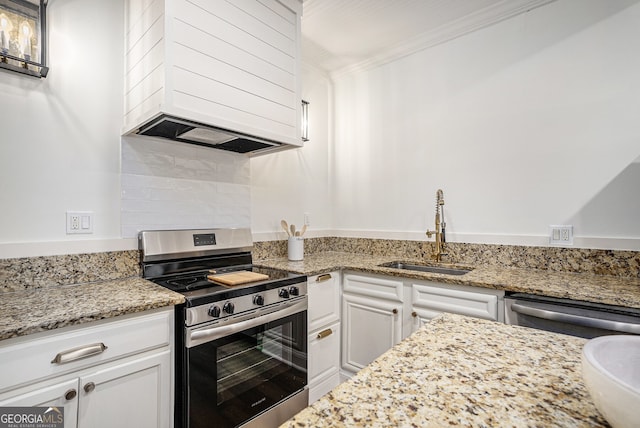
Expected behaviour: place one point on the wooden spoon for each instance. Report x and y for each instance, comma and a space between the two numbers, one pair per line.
285, 226
304, 229
293, 230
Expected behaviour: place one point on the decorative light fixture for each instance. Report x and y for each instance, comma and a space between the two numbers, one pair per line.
23, 36
305, 120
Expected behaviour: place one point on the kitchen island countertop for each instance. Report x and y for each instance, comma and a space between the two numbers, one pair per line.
612, 290
461, 371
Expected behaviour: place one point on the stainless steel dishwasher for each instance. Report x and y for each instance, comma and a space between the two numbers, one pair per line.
576, 318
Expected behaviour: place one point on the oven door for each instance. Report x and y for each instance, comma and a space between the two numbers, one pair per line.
237, 371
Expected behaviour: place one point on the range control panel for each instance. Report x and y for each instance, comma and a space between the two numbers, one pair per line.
244, 304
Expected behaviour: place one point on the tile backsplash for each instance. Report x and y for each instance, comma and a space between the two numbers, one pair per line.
170, 185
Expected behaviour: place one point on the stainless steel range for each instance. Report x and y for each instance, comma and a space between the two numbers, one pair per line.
241, 336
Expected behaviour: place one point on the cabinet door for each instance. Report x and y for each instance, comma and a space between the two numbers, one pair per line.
61, 395
369, 328
135, 393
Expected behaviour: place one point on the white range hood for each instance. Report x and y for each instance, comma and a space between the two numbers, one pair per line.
214, 73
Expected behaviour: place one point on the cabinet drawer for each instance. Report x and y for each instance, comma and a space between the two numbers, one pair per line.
380, 288
451, 300
324, 300
324, 353
28, 359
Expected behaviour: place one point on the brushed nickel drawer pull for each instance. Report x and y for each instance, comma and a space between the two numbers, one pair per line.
89, 387
79, 353
323, 278
70, 394
325, 333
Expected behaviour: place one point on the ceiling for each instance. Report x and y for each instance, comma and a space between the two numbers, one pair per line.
343, 35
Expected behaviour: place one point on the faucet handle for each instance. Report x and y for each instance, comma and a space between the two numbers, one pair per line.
430, 233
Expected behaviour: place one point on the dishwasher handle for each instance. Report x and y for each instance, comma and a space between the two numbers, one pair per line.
617, 326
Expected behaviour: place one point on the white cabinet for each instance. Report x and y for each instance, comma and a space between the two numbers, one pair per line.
128, 394
62, 395
431, 299
324, 333
379, 311
125, 383
233, 65
372, 314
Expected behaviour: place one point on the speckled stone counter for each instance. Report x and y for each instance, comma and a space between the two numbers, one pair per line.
613, 290
460, 371
39, 309
52, 271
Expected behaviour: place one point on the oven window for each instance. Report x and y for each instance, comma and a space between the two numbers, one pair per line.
235, 378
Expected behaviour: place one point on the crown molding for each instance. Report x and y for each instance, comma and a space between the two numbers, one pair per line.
486, 17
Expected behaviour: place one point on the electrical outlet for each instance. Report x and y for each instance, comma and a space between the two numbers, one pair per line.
79, 222
561, 235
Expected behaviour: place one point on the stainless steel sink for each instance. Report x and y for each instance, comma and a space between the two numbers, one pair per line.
426, 268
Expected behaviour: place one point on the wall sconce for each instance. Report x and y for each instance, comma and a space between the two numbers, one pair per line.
23, 36
305, 120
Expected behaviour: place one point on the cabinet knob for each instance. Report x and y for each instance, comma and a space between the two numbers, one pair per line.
89, 387
395, 311
322, 278
70, 394
414, 314
325, 333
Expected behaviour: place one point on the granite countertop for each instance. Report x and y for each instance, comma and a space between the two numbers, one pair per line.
461, 371
613, 290
34, 310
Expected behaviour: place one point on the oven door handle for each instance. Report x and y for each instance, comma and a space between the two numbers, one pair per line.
204, 335
623, 327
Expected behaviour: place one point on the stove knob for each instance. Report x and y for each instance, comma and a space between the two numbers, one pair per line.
283, 293
214, 311
228, 308
258, 300
294, 291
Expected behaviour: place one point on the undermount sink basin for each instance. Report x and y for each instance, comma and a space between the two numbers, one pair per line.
611, 372
446, 270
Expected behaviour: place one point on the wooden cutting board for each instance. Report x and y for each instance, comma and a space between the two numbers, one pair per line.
238, 277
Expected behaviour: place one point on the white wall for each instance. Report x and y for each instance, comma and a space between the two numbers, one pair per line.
61, 150
288, 184
60, 136
522, 124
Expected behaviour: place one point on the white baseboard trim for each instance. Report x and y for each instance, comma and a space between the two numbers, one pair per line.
56, 248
